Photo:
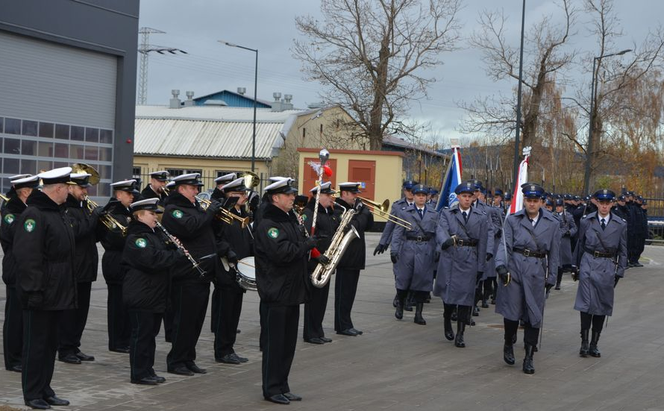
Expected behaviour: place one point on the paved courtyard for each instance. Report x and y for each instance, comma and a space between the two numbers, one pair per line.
398, 365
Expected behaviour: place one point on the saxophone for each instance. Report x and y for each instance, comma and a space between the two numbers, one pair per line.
340, 241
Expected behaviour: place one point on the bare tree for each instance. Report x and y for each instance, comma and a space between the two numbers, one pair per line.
373, 56
615, 74
496, 115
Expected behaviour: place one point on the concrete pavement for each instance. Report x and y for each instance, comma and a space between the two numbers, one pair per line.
398, 364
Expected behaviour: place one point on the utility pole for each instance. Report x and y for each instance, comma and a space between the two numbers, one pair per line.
144, 49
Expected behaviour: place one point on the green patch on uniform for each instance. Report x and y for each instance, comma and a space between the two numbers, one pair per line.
30, 225
141, 243
304, 217
273, 232
177, 213
9, 218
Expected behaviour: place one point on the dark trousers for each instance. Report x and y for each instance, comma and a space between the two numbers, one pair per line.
12, 329
530, 334
279, 350
262, 315
345, 288
73, 322
144, 329
597, 322
229, 308
214, 311
168, 322
119, 327
40, 343
314, 312
190, 301
463, 312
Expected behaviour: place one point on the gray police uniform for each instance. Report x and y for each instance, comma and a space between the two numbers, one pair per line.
416, 249
523, 299
597, 274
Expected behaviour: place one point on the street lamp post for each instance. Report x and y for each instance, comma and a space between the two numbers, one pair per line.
253, 137
593, 97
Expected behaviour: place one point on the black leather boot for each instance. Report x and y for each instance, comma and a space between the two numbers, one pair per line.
593, 350
559, 279
418, 314
583, 352
458, 342
399, 311
449, 334
508, 354
528, 366
409, 302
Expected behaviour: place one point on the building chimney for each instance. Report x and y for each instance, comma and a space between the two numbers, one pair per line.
287, 103
241, 90
175, 101
189, 102
276, 104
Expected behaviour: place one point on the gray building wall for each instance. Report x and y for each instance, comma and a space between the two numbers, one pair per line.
105, 26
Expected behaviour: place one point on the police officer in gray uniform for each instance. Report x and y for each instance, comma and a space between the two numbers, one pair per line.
397, 207
568, 230
601, 255
462, 236
527, 262
414, 252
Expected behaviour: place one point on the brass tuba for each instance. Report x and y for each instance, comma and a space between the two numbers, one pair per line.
340, 241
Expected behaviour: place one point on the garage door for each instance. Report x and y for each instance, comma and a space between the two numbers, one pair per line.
57, 107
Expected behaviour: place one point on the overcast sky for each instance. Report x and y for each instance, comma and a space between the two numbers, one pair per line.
268, 25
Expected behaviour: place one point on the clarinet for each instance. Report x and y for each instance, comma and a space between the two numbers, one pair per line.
176, 242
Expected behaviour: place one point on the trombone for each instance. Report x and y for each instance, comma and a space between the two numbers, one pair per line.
4, 198
108, 220
225, 215
382, 210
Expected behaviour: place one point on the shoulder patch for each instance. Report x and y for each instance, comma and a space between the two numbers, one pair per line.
304, 217
141, 243
29, 225
177, 213
273, 232
9, 218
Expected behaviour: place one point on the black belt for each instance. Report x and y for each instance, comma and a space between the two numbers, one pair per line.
466, 243
598, 254
529, 253
419, 238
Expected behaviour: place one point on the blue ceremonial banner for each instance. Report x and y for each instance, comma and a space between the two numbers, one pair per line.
451, 180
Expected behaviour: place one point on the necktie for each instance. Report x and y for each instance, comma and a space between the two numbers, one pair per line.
533, 222
603, 224
420, 212
465, 216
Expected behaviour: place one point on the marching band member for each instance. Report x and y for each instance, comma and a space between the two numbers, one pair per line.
12, 328
113, 241
326, 225
184, 218
400, 205
528, 256
601, 255
148, 258
218, 194
414, 253
86, 260
155, 189
44, 251
281, 276
462, 235
230, 293
353, 260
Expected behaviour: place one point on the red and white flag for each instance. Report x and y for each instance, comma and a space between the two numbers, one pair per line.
522, 178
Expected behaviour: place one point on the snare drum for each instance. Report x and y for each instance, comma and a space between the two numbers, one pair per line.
246, 273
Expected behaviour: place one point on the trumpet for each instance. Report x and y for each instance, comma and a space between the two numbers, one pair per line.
108, 220
383, 210
4, 198
225, 215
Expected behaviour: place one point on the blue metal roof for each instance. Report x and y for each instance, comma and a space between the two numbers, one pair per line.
231, 99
